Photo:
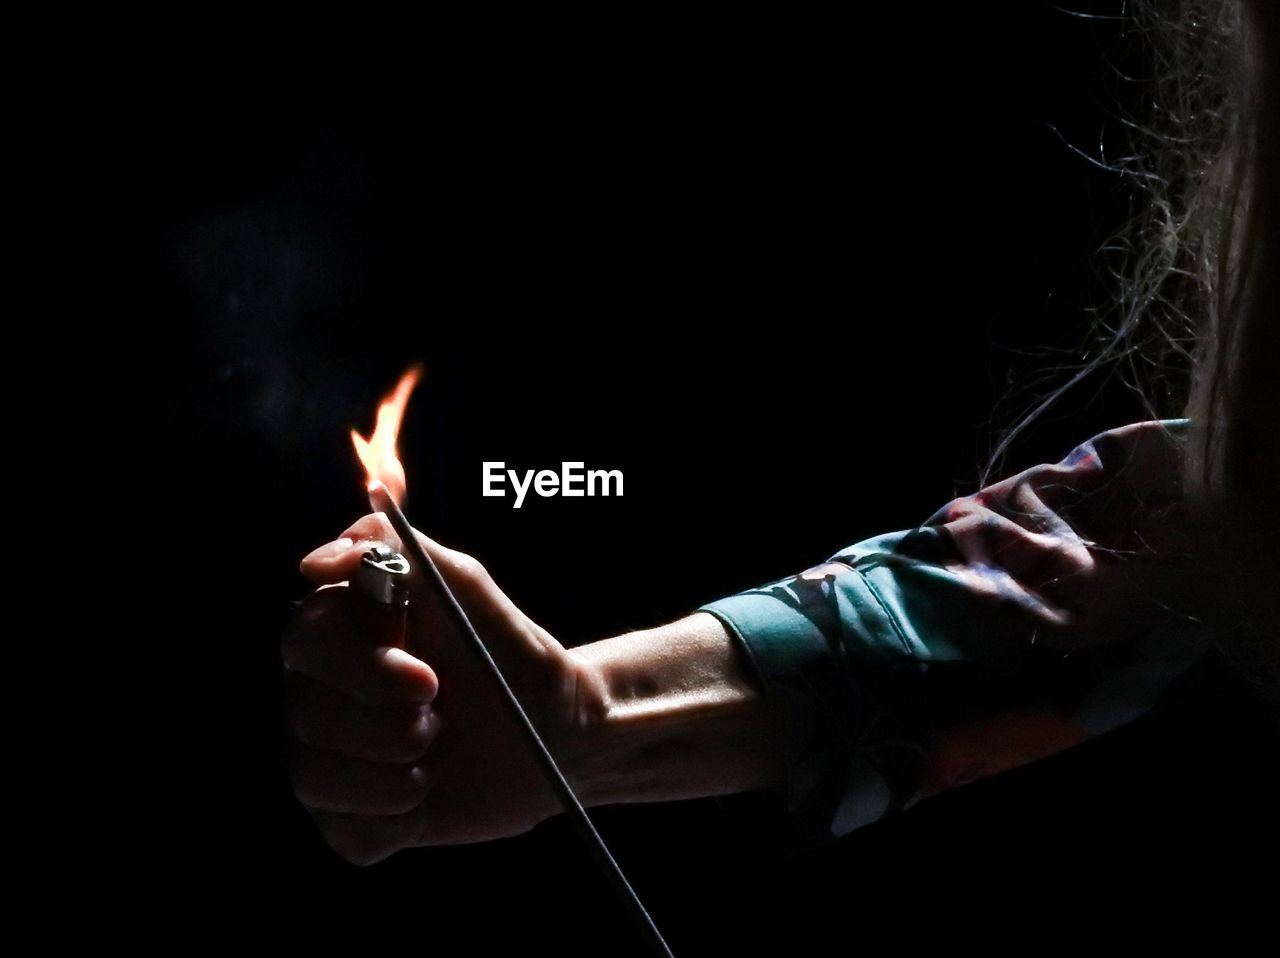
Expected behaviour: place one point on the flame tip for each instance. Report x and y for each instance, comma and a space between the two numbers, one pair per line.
378, 452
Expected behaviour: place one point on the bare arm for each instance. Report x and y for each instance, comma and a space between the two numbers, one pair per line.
407, 747
674, 712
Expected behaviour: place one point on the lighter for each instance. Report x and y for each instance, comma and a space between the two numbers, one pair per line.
383, 578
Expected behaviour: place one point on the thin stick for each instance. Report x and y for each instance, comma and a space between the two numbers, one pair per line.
381, 501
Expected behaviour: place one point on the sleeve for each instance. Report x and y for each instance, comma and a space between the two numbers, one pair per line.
1043, 610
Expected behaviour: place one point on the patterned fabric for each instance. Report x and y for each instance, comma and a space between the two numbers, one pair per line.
1046, 609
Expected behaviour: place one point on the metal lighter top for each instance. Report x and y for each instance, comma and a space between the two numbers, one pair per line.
383, 576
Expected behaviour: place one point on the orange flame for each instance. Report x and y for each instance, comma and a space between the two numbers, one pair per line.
378, 452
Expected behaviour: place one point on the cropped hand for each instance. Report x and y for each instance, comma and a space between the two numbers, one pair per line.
405, 747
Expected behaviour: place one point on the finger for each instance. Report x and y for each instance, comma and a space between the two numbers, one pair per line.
338, 560
332, 639
325, 719
488, 607
366, 840
336, 783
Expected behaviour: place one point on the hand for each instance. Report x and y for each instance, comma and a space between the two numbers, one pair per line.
396, 748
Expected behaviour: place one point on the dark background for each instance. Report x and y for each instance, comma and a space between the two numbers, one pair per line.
791, 280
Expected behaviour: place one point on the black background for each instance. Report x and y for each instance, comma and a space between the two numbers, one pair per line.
790, 280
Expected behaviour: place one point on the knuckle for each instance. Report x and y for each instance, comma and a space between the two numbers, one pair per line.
413, 739
410, 789
469, 570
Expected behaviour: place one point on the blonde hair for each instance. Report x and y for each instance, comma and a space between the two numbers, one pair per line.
1234, 466
1194, 325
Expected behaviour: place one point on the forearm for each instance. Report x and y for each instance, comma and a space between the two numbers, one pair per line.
675, 712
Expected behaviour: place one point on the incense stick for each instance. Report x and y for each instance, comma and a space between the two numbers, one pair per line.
381, 500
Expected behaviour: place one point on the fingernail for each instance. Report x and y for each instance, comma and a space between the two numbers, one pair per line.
330, 550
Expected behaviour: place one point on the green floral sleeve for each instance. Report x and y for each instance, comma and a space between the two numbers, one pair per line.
1046, 609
